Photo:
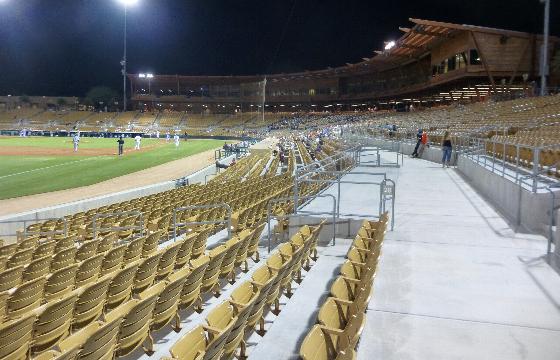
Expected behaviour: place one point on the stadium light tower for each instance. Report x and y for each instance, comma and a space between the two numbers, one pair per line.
126, 4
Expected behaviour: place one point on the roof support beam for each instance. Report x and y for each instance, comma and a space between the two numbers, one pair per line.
483, 60
429, 33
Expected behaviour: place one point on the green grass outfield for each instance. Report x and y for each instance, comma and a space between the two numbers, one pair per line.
28, 175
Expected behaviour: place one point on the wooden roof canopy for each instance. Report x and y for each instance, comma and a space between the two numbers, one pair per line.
412, 45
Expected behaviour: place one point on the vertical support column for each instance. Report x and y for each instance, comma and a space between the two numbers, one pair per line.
536, 157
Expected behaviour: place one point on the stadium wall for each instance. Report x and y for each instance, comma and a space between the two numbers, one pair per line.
11, 223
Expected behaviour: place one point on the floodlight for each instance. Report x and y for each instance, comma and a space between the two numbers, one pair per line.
141, 76
389, 45
129, 2
150, 76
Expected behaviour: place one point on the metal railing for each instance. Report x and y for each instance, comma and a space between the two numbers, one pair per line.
301, 213
27, 222
209, 206
139, 227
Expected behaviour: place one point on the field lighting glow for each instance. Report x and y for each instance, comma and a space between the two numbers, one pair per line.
389, 45
129, 2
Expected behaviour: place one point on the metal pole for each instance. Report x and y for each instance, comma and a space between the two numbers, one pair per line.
544, 54
124, 61
536, 153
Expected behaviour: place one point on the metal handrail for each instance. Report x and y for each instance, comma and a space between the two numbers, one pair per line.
208, 206
288, 199
118, 228
35, 221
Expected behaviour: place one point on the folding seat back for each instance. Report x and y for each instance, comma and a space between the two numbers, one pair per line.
135, 327
25, 297
357, 256
277, 264
37, 268
134, 249
221, 321
167, 260
113, 260
44, 249
321, 344
64, 243
63, 258
146, 273
242, 254
87, 250
101, 345
70, 354
29, 243
200, 242
353, 271
15, 338
11, 278
167, 304
191, 290
89, 270
3, 299
3, 262
191, 346
120, 288
263, 278
242, 299
53, 322
211, 275
185, 251
151, 243
60, 282
106, 243
226, 270
8, 250
22, 257
91, 300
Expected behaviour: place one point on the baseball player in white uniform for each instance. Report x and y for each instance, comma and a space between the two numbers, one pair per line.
76, 141
176, 138
137, 140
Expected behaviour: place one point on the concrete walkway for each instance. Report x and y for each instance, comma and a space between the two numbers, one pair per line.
456, 282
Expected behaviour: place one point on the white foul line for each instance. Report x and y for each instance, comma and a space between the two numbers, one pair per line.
44, 168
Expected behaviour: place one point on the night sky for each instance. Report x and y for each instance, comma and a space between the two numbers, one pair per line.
64, 47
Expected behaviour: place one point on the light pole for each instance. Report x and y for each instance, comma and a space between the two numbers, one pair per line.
544, 55
126, 4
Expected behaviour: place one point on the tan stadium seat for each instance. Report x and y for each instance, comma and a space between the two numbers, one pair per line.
220, 323
343, 316
44, 249
243, 298
352, 291
280, 266
167, 304
3, 262
323, 344
29, 243
200, 242
190, 294
106, 243
63, 258
146, 273
90, 302
11, 278
355, 271
167, 260
25, 297
120, 287
52, 323
263, 278
227, 270
37, 268
88, 270
70, 354
97, 341
134, 250
113, 260
60, 282
87, 250
185, 251
191, 346
253, 250
242, 254
211, 278
15, 338
22, 257
3, 299
294, 258
151, 244
8, 250
135, 326
64, 243
297, 241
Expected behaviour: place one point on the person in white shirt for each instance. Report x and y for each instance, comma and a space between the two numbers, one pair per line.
176, 138
137, 140
76, 141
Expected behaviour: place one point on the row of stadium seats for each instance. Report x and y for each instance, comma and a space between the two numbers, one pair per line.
341, 318
228, 324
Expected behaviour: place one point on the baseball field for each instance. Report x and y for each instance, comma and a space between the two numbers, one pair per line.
35, 165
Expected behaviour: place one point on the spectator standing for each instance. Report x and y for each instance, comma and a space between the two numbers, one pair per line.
418, 142
447, 149
423, 143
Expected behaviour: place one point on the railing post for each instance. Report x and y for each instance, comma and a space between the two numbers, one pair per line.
536, 157
516, 163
